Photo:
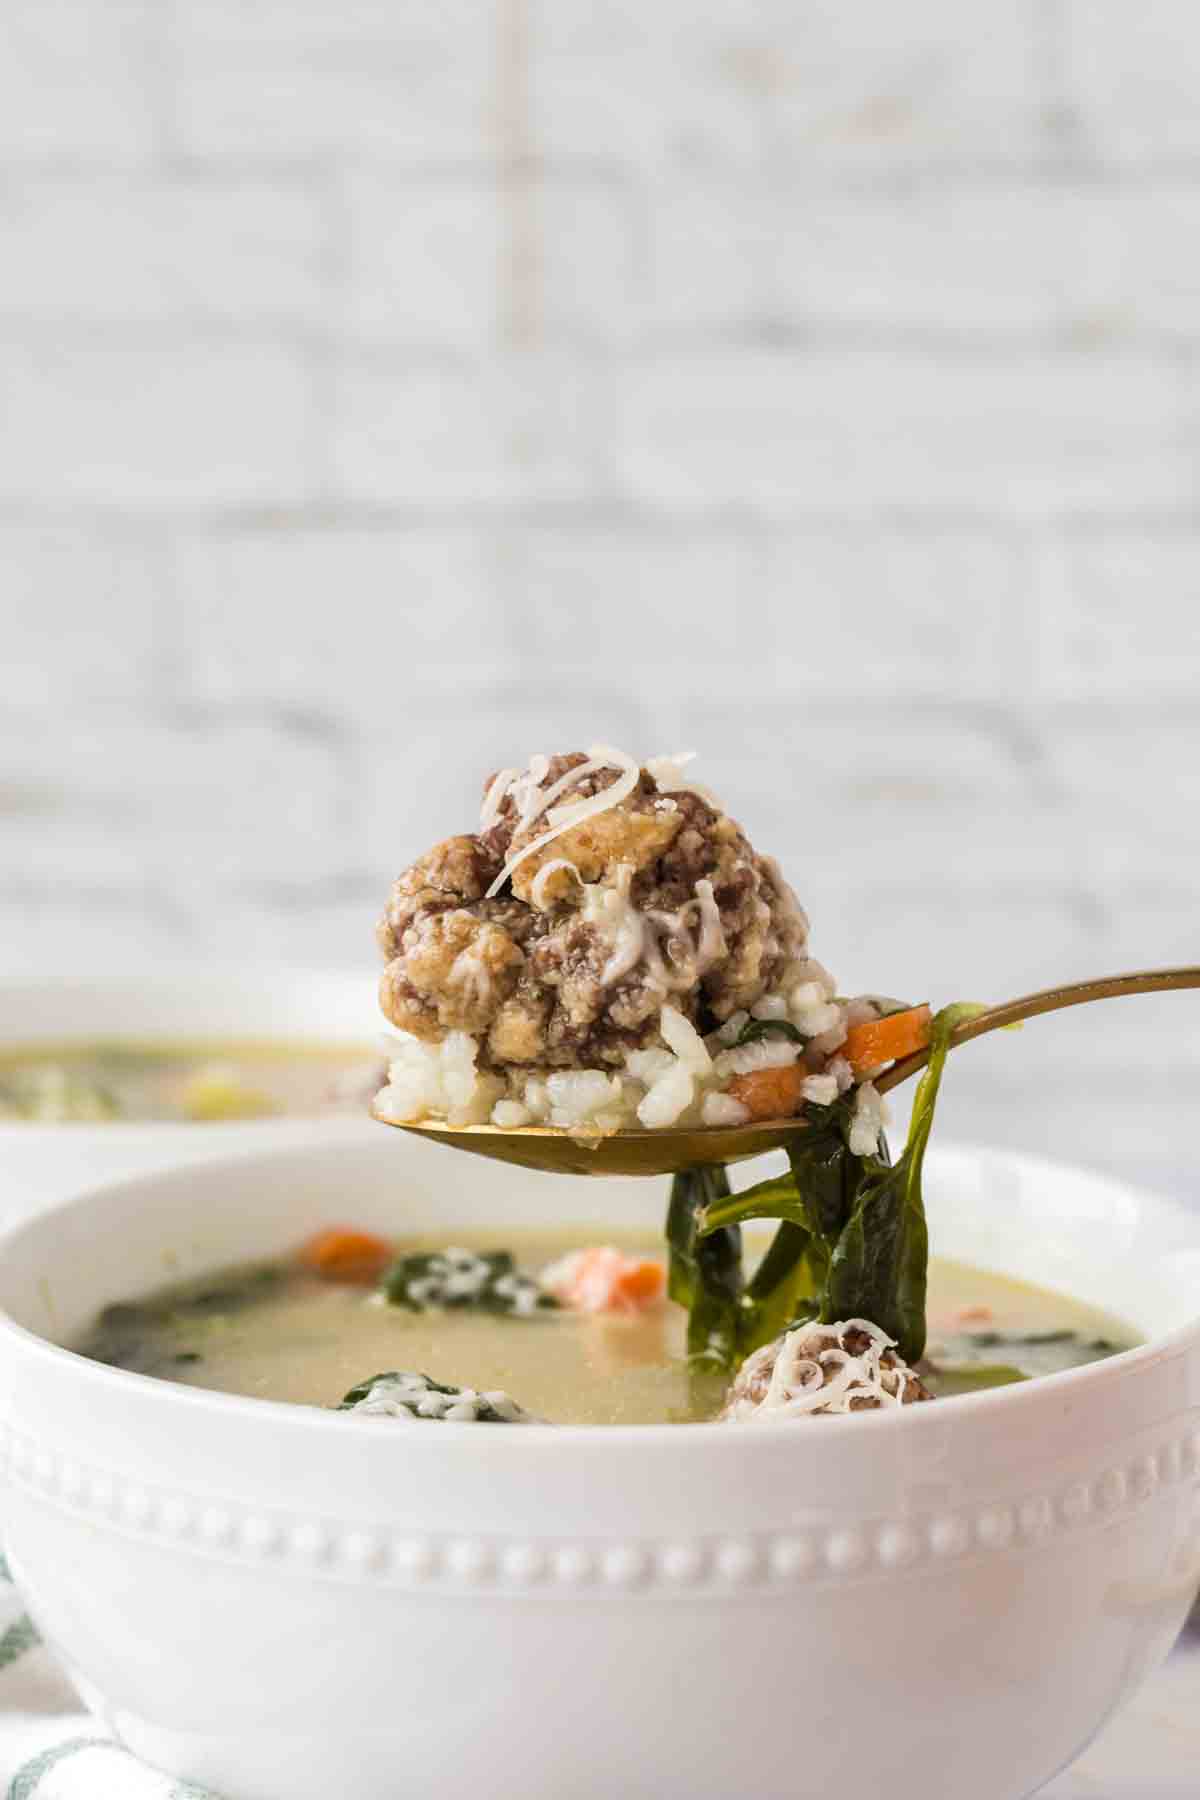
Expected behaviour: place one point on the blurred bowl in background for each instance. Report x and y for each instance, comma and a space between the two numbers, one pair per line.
216, 1010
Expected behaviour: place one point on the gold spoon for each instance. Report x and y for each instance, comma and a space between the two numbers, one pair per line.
663, 1152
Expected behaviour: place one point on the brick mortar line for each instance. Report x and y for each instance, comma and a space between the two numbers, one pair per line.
1085, 171
797, 343
178, 164
519, 275
1023, 730
766, 523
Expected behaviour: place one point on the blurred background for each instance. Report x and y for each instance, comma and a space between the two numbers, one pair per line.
389, 390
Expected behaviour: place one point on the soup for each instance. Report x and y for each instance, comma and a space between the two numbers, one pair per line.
202, 1082
281, 1331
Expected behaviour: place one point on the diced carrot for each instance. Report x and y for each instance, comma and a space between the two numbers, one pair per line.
770, 1093
641, 1282
343, 1254
886, 1040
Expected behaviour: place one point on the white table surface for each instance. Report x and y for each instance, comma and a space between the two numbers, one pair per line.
1151, 1750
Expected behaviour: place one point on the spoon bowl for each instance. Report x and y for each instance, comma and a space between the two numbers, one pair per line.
662, 1151
666, 1150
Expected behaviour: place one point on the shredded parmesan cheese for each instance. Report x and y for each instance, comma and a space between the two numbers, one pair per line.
561, 818
495, 797
470, 976
668, 776
687, 958
712, 947
810, 1370
527, 788
537, 892
614, 913
637, 936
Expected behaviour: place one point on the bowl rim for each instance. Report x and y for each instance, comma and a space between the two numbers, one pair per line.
293, 1417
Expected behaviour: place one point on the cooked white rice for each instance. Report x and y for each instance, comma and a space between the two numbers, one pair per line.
681, 1081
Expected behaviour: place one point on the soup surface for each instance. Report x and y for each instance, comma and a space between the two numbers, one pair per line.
277, 1331
200, 1082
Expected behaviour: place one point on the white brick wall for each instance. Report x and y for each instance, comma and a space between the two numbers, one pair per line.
342, 77
922, 429
108, 248
143, 420
388, 389
78, 80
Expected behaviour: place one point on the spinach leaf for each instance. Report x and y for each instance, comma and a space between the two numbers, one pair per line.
1035, 1352
866, 1249
755, 1030
828, 1177
406, 1394
878, 1267
992, 1340
488, 1281
779, 1291
704, 1273
243, 1289
777, 1198
730, 1317
815, 1200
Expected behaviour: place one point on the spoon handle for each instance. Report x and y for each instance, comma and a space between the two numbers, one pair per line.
1055, 999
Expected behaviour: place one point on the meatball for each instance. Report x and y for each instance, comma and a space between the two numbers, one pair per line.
453, 957
556, 942
823, 1369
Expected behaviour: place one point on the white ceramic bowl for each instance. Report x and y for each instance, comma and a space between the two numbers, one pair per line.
288, 1604
41, 1162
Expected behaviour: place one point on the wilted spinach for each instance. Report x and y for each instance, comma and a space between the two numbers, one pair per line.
755, 1030
704, 1274
728, 1316
489, 1281
857, 1222
407, 1394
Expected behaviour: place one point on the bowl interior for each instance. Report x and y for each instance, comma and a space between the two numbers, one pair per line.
1130, 1253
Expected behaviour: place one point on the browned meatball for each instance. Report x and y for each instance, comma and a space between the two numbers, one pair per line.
821, 1369
657, 899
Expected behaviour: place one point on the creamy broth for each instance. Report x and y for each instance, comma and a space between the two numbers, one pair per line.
276, 1332
202, 1082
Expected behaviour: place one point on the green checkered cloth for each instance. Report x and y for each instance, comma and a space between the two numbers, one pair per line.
49, 1748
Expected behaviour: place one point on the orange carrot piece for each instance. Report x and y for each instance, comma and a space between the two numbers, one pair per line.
641, 1282
342, 1254
770, 1093
886, 1040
